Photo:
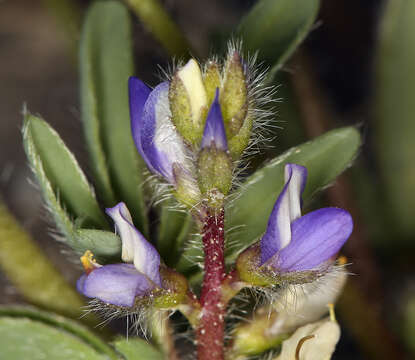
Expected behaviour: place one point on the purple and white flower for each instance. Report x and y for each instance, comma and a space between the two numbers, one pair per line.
154, 134
120, 284
295, 243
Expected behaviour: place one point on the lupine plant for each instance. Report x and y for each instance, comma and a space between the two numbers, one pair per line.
195, 248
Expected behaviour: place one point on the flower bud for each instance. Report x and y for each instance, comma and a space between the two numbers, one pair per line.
214, 164
186, 190
211, 80
173, 291
188, 102
234, 95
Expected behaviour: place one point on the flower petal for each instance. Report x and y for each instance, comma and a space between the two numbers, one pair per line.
161, 143
323, 337
116, 284
138, 94
286, 209
80, 283
214, 133
316, 237
135, 247
191, 78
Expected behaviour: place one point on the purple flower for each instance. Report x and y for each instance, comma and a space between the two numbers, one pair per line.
293, 242
214, 133
120, 284
155, 136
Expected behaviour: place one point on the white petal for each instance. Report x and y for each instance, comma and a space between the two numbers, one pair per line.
191, 77
298, 175
325, 335
121, 216
301, 304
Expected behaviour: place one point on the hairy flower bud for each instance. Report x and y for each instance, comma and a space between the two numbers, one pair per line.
214, 164
188, 102
212, 80
234, 99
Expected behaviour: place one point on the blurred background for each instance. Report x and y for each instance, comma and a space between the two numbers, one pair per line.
357, 66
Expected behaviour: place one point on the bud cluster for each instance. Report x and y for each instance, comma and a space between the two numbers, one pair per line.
192, 129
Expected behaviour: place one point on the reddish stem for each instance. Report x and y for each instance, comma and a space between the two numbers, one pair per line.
210, 332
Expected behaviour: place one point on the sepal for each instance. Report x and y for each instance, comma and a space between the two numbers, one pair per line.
250, 270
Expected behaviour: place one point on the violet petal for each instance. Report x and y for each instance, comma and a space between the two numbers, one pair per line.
214, 133
160, 142
135, 247
80, 283
138, 94
286, 209
116, 284
316, 237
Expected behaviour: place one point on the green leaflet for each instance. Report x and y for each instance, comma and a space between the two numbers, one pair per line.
27, 267
105, 245
27, 333
247, 215
60, 177
106, 62
276, 28
395, 113
67, 192
137, 349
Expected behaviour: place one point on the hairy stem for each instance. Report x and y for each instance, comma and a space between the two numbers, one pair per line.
210, 332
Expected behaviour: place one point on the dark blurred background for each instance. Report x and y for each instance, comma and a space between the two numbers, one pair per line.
334, 70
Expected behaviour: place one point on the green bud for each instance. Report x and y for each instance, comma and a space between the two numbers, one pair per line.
186, 190
234, 95
211, 80
254, 337
214, 174
188, 102
248, 267
240, 141
174, 290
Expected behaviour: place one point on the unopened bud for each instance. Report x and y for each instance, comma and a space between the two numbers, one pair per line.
174, 289
212, 80
186, 190
188, 102
214, 164
234, 93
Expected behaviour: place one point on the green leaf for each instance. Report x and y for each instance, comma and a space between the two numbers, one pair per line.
60, 177
27, 266
173, 231
246, 217
276, 28
104, 245
27, 333
395, 112
106, 62
137, 349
